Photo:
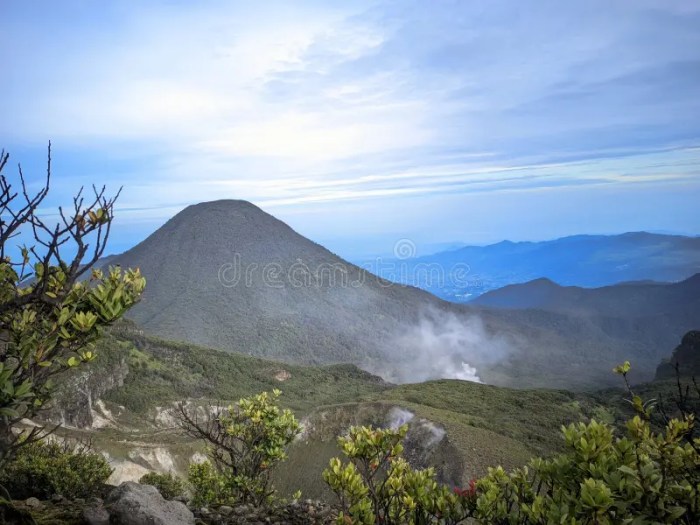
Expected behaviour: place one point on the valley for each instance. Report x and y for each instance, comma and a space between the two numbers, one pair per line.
460, 427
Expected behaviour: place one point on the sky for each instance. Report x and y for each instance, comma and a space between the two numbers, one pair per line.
361, 123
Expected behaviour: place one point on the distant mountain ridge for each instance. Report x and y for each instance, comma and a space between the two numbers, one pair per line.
227, 275
623, 300
579, 260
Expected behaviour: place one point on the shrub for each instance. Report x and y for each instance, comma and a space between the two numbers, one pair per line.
378, 485
210, 486
648, 476
245, 441
169, 486
42, 469
49, 318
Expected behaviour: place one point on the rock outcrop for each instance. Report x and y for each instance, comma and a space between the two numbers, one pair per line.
134, 504
76, 402
309, 512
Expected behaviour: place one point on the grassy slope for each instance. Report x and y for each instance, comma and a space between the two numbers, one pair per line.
163, 372
485, 425
531, 417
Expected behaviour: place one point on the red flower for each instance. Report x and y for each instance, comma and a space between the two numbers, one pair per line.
469, 492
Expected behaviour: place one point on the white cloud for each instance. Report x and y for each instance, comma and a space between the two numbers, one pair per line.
320, 103
199, 79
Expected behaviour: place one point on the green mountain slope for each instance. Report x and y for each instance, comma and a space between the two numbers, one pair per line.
227, 275
460, 427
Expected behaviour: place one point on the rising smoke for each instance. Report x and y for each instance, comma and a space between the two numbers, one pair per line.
432, 433
399, 416
442, 346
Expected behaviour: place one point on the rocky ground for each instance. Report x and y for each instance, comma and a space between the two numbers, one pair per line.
135, 504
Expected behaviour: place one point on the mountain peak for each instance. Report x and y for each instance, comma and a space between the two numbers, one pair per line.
542, 282
222, 206
225, 221
232, 204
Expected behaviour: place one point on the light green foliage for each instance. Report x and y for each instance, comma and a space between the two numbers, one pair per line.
47, 338
377, 485
42, 469
41, 341
647, 476
601, 479
48, 317
169, 486
644, 477
210, 486
245, 441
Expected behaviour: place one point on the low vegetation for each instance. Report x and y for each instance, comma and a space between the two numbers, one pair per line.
378, 485
48, 319
650, 473
169, 486
45, 468
164, 372
643, 477
245, 442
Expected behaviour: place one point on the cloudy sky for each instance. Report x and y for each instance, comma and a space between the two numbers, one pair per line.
360, 123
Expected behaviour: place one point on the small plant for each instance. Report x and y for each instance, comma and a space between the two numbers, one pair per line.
644, 477
210, 486
49, 318
42, 469
245, 442
648, 476
377, 485
169, 486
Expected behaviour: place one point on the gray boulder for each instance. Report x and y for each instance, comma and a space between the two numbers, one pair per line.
134, 504
95, 515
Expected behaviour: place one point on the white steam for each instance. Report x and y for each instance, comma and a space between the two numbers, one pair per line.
442, 346
436, 433
468, 373
400, 416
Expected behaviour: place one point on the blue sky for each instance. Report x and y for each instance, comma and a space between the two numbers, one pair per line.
360, 123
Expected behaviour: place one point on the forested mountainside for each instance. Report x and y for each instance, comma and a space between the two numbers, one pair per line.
227, 275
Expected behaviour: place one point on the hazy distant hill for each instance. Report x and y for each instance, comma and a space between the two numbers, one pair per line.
227, 275
678, 301
581, 260
653, 315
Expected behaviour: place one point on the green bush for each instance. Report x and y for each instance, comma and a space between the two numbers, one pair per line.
245, 441
169, 486
648, 476
377, 485
49, 317
210, 486
42, 469
645, 477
